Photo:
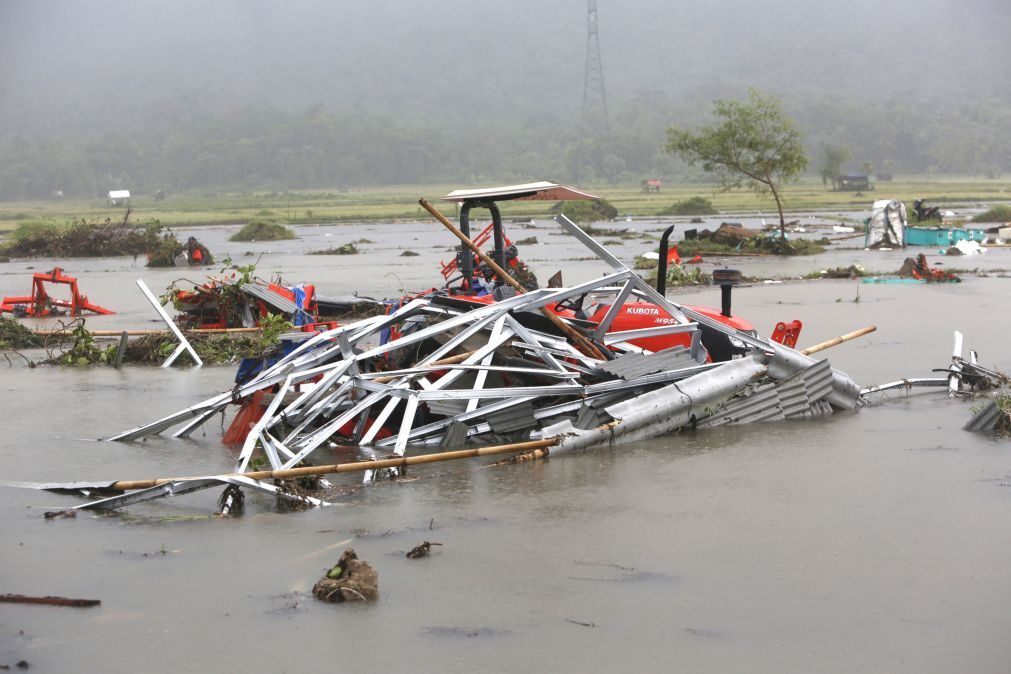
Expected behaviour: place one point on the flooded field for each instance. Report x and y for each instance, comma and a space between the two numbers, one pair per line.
877, 540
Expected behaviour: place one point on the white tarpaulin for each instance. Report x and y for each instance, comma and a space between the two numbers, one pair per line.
887, 225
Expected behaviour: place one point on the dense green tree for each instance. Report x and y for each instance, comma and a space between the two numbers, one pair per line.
753, 145
833, 158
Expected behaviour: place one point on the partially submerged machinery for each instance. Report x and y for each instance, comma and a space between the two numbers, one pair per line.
509, 370
42, 302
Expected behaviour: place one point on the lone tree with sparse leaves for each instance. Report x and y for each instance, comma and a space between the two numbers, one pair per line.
753, 145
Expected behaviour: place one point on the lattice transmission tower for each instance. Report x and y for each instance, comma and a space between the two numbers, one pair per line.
594, 99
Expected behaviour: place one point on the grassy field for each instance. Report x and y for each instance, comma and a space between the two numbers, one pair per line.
401, 202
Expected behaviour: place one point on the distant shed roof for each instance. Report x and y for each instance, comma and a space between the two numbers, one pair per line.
119, 194
539, 191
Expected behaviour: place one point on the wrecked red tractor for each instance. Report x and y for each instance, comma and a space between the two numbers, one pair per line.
41, 303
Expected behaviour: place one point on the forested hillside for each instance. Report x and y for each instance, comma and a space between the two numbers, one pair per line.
96, 95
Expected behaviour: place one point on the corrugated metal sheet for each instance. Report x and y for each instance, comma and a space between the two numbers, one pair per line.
455, 435
758, 403
819, 379
271, 298
984, 421
798, 396
799, 393
822, 408
632, 365
447, 408
512, 418
792, 395
591, 416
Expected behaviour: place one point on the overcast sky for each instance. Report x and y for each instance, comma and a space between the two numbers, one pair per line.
75, 64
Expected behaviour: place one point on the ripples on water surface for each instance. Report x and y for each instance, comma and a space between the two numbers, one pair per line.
873, 541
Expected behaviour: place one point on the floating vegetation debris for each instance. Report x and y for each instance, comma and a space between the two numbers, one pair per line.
214, 349
346, 249
998, 213
733, 239
262, 230
586, 211
691, 206
680, 276
351, 579
84, 350
80, 238
1003, 403
852, 271
80, 346
13, 335
602, 232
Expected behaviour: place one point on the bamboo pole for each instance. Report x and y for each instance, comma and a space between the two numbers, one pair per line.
451, 360
582, 342
839, 340
49, 601
353, 467
143, 333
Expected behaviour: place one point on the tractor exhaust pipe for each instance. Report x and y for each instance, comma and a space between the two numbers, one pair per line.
726, 279
661, 266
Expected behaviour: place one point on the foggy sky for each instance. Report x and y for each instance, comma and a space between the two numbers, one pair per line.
77, 66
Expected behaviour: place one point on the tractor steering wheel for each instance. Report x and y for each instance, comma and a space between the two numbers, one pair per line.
574, 304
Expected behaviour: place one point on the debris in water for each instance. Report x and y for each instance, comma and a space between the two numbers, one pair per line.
420, 551
13, 335
886, 228
232, 501
921, 270
469, 632
607, 361
60, 514
964, 378
41, 303
49, 601
295, 495
993, 417
263, 230
350, 579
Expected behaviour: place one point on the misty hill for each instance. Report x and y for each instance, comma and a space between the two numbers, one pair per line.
508, 75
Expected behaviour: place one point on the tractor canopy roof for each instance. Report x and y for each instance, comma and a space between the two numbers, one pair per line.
539, 191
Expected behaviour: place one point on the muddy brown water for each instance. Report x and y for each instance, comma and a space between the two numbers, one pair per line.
870, 541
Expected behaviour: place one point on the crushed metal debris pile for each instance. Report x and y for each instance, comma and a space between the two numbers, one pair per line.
442, 371
497, 368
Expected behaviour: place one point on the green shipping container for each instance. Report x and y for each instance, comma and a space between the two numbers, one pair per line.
941, 236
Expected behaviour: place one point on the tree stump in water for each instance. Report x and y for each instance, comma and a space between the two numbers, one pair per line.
350, 580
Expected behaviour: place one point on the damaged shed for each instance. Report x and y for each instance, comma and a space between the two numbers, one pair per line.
443, 372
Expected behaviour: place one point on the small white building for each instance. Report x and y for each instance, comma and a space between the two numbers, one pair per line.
119, 197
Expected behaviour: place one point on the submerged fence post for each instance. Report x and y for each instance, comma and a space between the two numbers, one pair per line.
123, 338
